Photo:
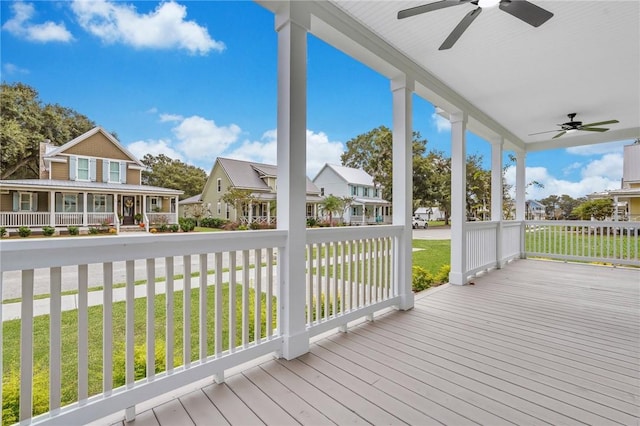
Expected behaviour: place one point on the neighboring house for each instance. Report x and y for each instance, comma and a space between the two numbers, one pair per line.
535, 210
259, 181
627, 198
186, 205
89, 181
368, 206
429, 213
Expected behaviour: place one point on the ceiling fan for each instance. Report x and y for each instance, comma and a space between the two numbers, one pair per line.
521, 9
572, 126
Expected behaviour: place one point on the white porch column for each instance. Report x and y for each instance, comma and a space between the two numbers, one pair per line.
292, 24
85, 216
520, 185
176, 212
458, 272
496, 194
269, 212
402, 153
144, 207
52, 208
615, 208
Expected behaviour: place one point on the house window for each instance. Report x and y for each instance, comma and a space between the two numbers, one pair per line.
114, 171
70, 202
322, 191
25, 201
83, 169
354, 211
309, 210
219, 185
228, 213
99, 203
219, 207
354, 190
365, 191
154, 204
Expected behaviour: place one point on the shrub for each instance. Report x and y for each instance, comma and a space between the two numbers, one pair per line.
242, 228
3, 231
255, 225
443, 275
421, 279
139, 362
93, 230
311, 222
230, 226
174, 228
212, 222
153, 231
48, 231
73, 230
112, 230
24, 231
187, 224
11, 394
163, 228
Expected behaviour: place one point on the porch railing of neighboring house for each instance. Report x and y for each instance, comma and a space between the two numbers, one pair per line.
16, 219
217, 292
262, 220
69, 219
160, 218
370, 220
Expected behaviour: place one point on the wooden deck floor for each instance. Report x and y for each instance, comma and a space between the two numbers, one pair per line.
534, 343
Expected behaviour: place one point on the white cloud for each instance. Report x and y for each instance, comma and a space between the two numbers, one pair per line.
201, 139
320, 150
170, 117
441, 124
13, 69
153, 147
598, 175
598, 149
163, 28
571, 167
20, 26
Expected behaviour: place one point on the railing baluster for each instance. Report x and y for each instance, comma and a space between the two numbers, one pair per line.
202, 304
232, 301
327, 282
186, 310
55, 348
318, 275
83, 333
107, 328
334, 278
151, 318
257, 323
309, 283
349, 271
130, 267
343, 294
169, 306
245, 298
269, 292
26, 346
218, 301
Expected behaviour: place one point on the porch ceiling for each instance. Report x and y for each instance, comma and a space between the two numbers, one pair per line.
512, 79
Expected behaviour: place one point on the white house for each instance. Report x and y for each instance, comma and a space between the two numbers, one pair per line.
367, 206
535, 210
429, 213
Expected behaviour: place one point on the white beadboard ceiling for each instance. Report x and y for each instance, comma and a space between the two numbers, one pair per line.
512, 79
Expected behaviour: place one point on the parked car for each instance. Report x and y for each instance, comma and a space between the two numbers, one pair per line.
419, 222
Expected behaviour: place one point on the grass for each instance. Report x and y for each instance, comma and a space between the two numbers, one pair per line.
11, 344
577, 244
434, 254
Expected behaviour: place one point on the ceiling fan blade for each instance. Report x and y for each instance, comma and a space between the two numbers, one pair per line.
599, 123
540, 133
558, 135
525, 11
594, 129
430, 7
460, 28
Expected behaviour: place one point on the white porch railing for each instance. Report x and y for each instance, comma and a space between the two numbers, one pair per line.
370, 220
217, 292
593, 241
263, 220
68, 219
160, 218
108, 218
16, 219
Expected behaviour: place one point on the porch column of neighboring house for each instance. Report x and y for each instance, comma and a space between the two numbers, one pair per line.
115, 208
52, 208
458, 274
292, 23
496, 194
85, 207
520, 196
268, 212
402, 155
176, 214
615, 208
250, 212
144, 206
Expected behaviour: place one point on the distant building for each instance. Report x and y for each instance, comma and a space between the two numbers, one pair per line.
429, 213
368, 206
535, 210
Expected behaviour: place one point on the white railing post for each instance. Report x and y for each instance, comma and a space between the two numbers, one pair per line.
496, 195
85, 207
402, 153
292, 24
52, 208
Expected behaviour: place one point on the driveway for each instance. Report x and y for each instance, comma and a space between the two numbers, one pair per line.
437, 233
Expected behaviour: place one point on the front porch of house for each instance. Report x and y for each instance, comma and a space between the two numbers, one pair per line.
537, 342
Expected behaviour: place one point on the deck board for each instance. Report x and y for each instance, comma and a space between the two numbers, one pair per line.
534, 343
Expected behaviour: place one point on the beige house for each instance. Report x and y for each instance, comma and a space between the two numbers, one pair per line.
89, 181
259, 182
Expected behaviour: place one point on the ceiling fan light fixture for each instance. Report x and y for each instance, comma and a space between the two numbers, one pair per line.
486, 4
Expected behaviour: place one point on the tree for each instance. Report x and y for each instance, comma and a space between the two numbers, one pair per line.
598, 209
26, 122
330, 205
238, 198
432, 181
373, 153
197, 212
166, 172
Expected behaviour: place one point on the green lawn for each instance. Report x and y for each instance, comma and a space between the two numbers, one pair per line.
433, 254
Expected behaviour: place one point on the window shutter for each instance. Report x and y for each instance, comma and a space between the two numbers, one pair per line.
90, 203
80, 203
92, 169
110, 203
160, 203
72, 167
123, 172
58, 201
16, 201
34, 202
105, 170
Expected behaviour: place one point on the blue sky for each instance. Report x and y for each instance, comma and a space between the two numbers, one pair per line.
196, 80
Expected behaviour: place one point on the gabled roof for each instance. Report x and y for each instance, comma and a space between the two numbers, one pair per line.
247, 175
86, 135
191, 200
349, 175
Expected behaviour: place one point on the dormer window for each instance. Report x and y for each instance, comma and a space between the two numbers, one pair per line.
83, 169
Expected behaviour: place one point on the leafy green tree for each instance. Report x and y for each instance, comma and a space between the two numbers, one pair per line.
432, 181
239, 199
597, 209
330, 205
166, 172
373, 153
26, 122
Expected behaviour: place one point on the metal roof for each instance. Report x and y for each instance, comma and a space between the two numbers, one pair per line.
65, 185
